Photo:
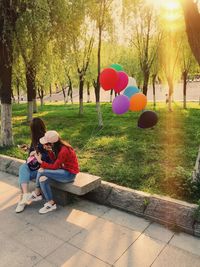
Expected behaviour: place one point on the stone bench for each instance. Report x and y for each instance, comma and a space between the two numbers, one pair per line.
83, 184
63, 192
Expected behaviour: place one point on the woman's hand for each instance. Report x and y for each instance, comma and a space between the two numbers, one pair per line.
38, 157
32, 153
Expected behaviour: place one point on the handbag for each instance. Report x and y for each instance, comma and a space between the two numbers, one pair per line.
32, 163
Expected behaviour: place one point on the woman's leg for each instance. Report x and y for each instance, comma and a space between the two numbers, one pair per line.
59, 175
44, 176
25, 175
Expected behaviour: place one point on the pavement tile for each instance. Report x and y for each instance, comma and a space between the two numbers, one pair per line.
4, 175
186, 242
58, 224
39, 241
89, 207
69, 256
126, 219
77, 217
175, 257
31, 214
45, 263
16, 255
142, 253
105, 240
9, 179
5, 187
10, 224
9, 198
159, 232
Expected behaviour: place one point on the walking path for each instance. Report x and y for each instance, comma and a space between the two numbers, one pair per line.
85, 234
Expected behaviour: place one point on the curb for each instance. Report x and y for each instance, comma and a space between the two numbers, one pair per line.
176, 214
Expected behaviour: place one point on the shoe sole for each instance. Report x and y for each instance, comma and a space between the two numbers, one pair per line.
47, 211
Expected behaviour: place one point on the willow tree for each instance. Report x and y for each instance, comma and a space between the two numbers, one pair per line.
192, 21
145, 35
188, 64
10, 11
32, 34
101, 14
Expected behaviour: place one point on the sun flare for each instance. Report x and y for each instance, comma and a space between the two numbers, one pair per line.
172, 5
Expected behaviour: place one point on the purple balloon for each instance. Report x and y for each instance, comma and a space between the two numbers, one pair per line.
120, 104
122, 81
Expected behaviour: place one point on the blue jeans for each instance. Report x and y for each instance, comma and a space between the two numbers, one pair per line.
26, 175
58, 175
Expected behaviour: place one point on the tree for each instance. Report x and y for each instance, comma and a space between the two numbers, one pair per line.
32, 33
145, 37
10, 11
187, 63
101, 17
192, 21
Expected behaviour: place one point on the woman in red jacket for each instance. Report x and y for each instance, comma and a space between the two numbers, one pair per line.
64, 168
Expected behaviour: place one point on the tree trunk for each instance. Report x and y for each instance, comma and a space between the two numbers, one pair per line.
41, 101
70, 90
99, 113
146, 81
6, 125
154, 89
30, 111
111, 95
50, 93
5, 91
31, 89
192, 21
184, 89
64, 95
81, 84
171, 90
35, 108
41, 95
97, 83
88, 92
18, 94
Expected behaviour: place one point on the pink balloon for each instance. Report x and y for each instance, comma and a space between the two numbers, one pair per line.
122, 81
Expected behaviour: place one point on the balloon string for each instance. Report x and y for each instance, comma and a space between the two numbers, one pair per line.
92, 136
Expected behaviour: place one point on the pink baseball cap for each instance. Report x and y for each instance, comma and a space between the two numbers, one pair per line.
50, 137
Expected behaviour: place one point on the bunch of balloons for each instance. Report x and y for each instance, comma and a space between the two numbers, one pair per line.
132, 99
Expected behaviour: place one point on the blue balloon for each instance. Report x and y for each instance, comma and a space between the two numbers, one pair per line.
130, 91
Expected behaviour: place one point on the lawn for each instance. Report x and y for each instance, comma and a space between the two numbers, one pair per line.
158, 160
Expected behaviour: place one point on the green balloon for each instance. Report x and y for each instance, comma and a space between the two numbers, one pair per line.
117, 67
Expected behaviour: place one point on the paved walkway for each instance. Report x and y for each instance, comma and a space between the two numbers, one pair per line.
85, 234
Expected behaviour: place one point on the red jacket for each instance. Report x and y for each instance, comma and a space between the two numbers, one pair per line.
66, 160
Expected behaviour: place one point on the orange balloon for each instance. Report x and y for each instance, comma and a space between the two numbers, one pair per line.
138, 102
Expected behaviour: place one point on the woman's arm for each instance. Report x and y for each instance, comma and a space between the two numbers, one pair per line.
52, 166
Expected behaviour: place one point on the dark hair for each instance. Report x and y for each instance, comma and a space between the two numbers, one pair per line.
38, 130
58, 145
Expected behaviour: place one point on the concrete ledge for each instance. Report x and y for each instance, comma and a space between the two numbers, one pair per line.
178, 215
168, 211
83, 183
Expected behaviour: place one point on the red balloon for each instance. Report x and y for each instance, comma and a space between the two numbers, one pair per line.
122, 81
108, 78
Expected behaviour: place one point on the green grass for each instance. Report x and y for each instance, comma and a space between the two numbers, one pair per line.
158, 160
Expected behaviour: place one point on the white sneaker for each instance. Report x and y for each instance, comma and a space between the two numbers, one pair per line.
35, 197
47, 207
23, 202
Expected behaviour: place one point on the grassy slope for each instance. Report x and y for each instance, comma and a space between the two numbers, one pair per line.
152, 160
